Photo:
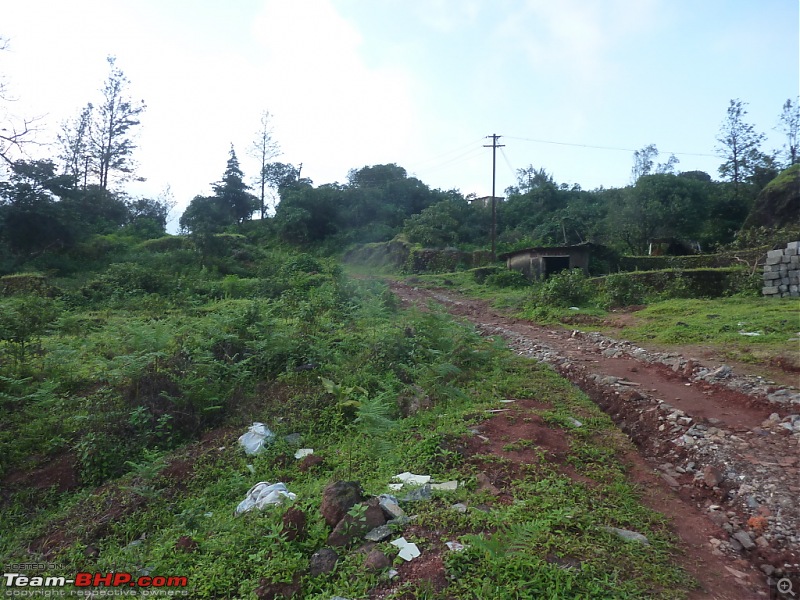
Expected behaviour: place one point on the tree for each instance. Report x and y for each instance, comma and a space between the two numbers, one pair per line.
661, 205
111, 140
148, 216
205, 216
74, 141
31, 220
280, 175
233, 191
740, 145
264, 148
790, 126
644, 161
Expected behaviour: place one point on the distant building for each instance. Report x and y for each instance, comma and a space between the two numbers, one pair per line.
672, 247
485, 201
540, 263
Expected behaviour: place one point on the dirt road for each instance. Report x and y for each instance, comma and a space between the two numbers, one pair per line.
718, 452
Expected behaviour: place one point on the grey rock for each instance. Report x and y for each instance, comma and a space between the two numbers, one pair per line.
419, 495
379, 533
628, 535
323, 561
744, 539
390, 506
713, 476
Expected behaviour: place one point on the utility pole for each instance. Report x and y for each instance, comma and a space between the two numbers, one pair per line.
494, 146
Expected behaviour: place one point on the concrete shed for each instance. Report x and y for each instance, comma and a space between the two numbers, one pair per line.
540, 263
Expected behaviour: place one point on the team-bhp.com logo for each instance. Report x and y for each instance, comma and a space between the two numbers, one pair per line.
17, 584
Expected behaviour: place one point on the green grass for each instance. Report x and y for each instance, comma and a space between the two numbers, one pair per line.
721, 323
124, 382
718, 323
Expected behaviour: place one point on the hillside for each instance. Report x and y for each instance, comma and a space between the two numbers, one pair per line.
778, 204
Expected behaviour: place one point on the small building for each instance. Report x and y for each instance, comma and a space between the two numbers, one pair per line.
485, 201
540, 263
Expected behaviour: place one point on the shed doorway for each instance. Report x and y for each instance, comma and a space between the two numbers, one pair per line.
555, 264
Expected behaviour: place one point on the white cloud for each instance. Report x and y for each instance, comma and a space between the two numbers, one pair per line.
332, 112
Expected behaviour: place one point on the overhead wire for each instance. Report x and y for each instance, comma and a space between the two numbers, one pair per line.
512, 169
592, 146
437, 156
458, 158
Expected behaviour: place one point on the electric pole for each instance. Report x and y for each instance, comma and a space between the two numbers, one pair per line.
494, 146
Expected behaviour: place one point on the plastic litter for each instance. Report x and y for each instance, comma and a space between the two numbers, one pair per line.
751, 333
257, 438
447, 486
455, 546
408, 550
412, 479
263, 494
303, 452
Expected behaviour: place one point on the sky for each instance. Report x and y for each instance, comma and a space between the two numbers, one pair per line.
571, 86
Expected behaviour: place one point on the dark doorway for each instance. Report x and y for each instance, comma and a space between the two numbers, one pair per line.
555, 264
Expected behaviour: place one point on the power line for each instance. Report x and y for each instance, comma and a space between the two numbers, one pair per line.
457, 149
604, 147
513, 171
459, 158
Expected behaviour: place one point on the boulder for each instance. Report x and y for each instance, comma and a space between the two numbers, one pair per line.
338, 498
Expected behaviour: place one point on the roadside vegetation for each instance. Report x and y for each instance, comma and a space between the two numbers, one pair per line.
136, 379
662, 309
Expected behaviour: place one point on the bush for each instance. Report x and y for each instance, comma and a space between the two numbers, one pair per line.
507, 279
620, 289
165, 244
568, 288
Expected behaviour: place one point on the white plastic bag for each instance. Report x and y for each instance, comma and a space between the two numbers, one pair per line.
263, 494
258, 436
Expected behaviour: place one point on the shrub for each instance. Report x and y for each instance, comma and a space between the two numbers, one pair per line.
507, 279
568, 288
167, 243
620, 289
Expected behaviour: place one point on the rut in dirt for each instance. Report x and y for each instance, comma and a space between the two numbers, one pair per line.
725, 448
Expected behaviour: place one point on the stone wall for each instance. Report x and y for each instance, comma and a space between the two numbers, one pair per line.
782, 272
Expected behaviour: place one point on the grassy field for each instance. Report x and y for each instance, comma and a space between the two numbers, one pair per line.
138, 390
746, 328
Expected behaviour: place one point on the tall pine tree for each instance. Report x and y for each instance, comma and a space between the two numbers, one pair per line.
234, 193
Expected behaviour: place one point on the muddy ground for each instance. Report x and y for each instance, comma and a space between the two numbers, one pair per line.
718, 445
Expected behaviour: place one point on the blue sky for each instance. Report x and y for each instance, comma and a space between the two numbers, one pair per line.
416, 82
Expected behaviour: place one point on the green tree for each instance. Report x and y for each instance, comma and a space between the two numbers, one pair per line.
205, 215
657, 206
31, 219
740, 146
234, 192
644, 163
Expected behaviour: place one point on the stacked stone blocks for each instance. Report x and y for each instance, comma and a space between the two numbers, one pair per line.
782, 272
